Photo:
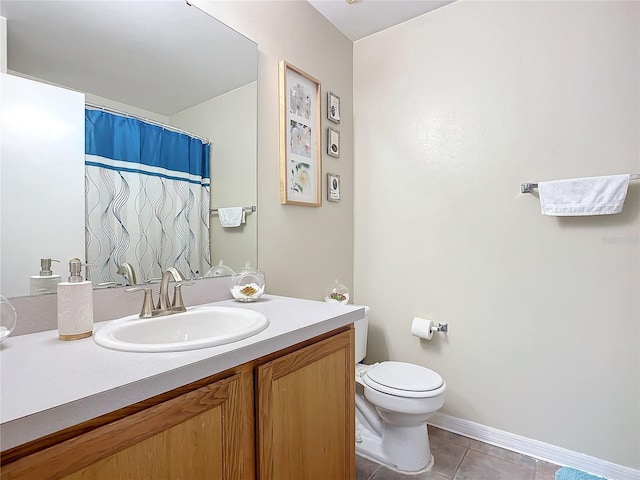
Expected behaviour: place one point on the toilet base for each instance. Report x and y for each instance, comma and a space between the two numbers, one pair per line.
385, 465
414, 458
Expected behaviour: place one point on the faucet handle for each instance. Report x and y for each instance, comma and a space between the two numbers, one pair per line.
147, 303
178, 302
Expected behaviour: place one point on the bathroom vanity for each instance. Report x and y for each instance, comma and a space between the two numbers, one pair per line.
278, 405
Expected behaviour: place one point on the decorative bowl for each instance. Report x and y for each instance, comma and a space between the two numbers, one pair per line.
248, 284
8, 318
336, 292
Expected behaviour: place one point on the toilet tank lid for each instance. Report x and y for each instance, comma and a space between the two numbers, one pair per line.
405, 376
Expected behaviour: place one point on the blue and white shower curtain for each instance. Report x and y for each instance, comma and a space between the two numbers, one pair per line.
147, 199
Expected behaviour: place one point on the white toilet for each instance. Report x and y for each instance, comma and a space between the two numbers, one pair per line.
393, 402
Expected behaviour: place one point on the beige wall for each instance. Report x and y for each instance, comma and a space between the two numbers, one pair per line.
453, 111
300, 249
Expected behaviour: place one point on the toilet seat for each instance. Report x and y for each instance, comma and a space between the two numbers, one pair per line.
403, 380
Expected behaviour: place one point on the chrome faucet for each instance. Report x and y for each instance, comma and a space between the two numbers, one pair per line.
163, 301
147, 304
164, 306
126, 270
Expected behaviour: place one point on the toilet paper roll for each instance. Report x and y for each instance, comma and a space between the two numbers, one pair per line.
421, 327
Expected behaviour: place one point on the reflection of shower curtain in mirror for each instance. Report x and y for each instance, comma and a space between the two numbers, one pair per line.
147, 199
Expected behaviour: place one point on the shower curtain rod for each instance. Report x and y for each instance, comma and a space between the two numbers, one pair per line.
147, 120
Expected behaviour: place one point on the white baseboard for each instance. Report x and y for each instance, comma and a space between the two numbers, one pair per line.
534, 448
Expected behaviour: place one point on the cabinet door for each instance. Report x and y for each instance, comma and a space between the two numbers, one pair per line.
203, 434
306, 413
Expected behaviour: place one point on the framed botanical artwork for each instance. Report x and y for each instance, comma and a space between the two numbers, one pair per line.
333, 142
333, 187
333, 107
300, 138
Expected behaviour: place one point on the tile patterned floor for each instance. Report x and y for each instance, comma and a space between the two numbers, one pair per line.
461, 458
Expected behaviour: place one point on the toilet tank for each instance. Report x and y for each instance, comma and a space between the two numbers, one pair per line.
361, 326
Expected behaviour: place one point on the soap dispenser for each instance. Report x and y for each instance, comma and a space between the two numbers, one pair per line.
75, 304
45, 282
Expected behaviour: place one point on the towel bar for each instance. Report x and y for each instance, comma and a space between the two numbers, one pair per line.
528, 187
250, 209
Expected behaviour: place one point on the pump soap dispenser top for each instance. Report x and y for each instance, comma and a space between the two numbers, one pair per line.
75, 304
45, 282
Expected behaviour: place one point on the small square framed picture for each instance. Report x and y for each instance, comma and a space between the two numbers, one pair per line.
333, 142
333, 107
333, 187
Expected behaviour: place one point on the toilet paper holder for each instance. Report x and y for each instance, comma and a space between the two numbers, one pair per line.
441, 327
424, 328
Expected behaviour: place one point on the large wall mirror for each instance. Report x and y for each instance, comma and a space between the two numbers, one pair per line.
164, 61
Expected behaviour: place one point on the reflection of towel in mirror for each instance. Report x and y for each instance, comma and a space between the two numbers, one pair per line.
231, 216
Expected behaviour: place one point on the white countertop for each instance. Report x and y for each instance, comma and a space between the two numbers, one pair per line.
48, 385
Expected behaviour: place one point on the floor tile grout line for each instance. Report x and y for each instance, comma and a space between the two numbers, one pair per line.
374, 472
455, 472
505, 459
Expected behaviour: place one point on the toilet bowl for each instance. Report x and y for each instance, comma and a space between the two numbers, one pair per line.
394, 400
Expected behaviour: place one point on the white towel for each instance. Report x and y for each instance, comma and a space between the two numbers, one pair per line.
584, 196
231, 216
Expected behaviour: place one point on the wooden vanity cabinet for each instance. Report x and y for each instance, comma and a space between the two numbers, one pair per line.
302, 398
305, 413
203, 434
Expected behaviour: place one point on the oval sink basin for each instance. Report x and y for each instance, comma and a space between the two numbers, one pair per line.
198, 327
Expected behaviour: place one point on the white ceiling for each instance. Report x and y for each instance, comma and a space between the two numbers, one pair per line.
365, 17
